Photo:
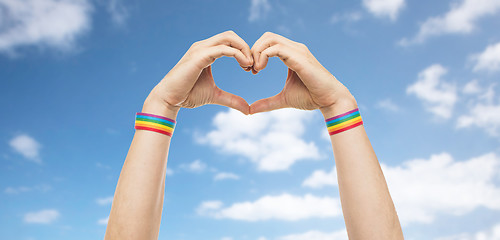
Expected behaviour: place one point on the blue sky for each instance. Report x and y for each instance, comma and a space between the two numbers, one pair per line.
74, 72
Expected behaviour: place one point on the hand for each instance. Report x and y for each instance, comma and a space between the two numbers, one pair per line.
190, 82
308, 85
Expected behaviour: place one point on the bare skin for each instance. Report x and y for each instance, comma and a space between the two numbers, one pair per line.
138, 201
366, 203
368, 209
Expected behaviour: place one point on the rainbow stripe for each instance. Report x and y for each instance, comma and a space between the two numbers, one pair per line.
155, 123
344, 122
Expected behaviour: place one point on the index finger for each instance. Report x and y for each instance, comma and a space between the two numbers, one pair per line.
231, 39
267, 40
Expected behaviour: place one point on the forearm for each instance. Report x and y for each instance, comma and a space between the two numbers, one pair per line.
138, 201
368, 209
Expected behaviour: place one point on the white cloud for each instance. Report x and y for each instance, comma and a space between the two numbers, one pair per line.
472, 87
388, 104
226, 176
169, 172
43, 216
460, 19
208, 207
196, 166
43, 23
324, 135
17, 190
104, 201
491, 234
118, 12
423, 188
103, 221
26, 146
317, 235
22, 189
226, 238
438, 96
346, 17
384, 8
258, 10
320, 178
489, 59
483, 115
483, 111
281, 207
272, 140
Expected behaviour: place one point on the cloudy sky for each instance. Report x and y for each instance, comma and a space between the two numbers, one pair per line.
74, 72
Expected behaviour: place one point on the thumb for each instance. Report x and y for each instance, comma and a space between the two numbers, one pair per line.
268, 104
224, 98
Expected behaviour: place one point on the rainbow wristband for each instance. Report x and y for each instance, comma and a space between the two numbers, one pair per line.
344, 122
155, 123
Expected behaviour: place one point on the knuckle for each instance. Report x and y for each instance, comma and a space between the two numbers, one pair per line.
268, 34
276, 51
195, 44
303, 46
206, 58
228, 34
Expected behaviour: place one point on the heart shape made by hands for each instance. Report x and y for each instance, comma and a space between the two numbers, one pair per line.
308, 85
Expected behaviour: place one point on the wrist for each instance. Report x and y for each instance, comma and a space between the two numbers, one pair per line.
156, 106
340, 106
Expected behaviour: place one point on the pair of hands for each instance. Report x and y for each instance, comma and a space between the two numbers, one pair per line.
308, 86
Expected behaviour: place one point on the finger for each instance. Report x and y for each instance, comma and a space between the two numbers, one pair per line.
224, 98
231, 39
268, 104
254, 71
278, 50
212, 53
267, 40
